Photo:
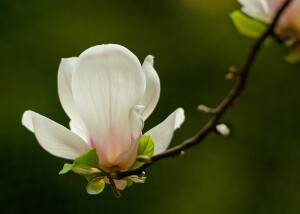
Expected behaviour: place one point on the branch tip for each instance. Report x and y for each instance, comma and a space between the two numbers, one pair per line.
205, 109
219, 111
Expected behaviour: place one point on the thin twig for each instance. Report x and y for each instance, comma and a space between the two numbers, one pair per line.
219, 111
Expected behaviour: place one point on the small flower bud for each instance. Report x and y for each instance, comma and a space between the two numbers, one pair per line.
144, 159
223, 130
232, 69
181, 154
229, 76
142, 174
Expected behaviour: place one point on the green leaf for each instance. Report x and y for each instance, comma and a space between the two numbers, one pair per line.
129, 182
95, 186
146, 147
293, 57
67, 167
247, 25
84, 163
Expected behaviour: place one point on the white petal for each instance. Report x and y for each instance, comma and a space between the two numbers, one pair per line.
258, 9
137, 122
74, 128
107, 82
152, 92
65, 73
53, 137
163, 132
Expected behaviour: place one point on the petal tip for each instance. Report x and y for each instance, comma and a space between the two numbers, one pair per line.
180, 117
149, 59
27, 120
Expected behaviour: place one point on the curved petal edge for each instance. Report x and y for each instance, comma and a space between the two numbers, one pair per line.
152, 93
53, 137
162, 133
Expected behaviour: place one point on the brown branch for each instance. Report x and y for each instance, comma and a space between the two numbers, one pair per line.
219, 111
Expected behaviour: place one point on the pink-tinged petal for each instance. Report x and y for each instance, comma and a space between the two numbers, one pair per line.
126, 159
152, 92
163, 132
120, 184
64, 78
265, 10
291, 16
108, 82
53, 137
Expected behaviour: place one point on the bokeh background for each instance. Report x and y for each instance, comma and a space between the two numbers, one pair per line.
255, 170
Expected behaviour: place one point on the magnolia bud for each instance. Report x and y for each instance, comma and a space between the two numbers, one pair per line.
181, 153
223, 130
144, 159
142, 174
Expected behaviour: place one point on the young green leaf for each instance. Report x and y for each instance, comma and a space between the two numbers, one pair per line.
95, 186
247, 25
129, 182
67, 167
83, 164
146, 148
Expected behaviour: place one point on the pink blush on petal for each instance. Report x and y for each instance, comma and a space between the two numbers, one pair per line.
92, 145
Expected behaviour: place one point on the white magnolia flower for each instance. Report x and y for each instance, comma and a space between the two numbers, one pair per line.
108, 95
265, 10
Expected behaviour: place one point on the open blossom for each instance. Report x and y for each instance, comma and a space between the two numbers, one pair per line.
265, 10
107, 95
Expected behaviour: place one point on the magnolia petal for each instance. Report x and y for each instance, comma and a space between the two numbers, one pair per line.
152, 92
74, 128
163, 132
107, 82
120, 184
64, 78
126, 159
258, 9
136, 121
53, 137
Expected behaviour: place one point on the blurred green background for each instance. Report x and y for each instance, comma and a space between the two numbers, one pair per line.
255, 170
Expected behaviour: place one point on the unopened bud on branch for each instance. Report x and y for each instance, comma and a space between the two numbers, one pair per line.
142, 174
144, 159
223, 130
181, 153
